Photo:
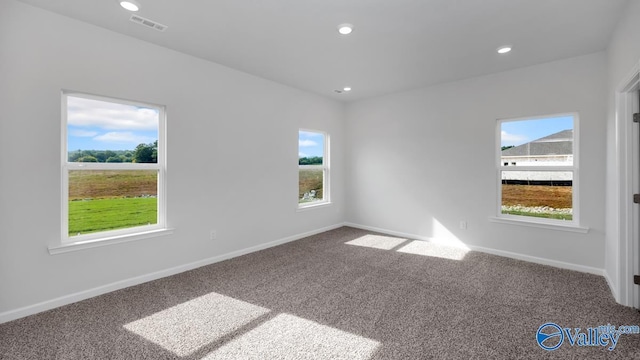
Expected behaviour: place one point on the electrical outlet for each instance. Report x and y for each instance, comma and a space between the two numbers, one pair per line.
213, 235
463, 225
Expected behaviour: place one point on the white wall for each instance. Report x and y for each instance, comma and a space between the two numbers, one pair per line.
422, 161
232, 153
622, 55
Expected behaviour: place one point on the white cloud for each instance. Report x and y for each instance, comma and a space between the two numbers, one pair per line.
512, 139
307, 143
83, 133
310, 134
301, 155
110, 116
123, 137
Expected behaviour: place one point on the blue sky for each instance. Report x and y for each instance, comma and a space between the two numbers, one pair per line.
100, 125
523, 131
310, 144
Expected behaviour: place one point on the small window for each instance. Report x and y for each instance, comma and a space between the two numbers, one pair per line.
538, 176
113, 168
313, 168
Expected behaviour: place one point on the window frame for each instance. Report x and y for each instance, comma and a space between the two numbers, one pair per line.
574, 169
326, 192
118, 235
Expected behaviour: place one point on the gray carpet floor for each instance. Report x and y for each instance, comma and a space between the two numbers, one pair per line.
342, 294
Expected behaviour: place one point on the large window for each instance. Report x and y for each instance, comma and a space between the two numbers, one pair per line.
313, 168
538, 168
113, 168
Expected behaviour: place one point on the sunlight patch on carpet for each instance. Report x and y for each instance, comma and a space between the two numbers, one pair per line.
446, 246
425, 248
184, 328
377, 242
291, 337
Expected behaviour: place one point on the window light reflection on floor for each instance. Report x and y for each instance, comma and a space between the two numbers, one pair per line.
291, 337
185, 328
425, 248
445, 245
377, 242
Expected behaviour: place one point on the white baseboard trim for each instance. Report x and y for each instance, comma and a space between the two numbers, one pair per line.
512, 255
612, 286
86, 294
541, 261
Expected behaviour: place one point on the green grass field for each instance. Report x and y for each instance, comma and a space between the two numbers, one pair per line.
540, 215
110, 214
109, 200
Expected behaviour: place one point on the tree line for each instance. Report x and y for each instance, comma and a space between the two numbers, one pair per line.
143, 153
314, 160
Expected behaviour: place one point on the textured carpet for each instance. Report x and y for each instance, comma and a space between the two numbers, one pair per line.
343, 294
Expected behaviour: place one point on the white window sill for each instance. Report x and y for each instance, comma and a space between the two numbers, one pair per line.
93, 243
540, 224
309, 206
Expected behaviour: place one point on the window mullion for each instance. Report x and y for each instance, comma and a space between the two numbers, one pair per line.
537, 168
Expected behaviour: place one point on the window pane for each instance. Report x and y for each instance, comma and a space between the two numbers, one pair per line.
311, 185
311, 176
310, 148
542, 142
101, 200
545, 194
102, 131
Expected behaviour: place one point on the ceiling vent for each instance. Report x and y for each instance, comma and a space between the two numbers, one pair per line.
148, 23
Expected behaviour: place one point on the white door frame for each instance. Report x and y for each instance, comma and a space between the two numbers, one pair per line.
628, 165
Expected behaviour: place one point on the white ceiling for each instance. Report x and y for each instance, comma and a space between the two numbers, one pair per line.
396, 44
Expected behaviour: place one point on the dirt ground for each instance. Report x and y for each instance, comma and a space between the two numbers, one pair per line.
112, 184
558, 197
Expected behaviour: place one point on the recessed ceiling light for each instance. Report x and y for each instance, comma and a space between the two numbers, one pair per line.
345, 29
504, 49
130, 5
347, 88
